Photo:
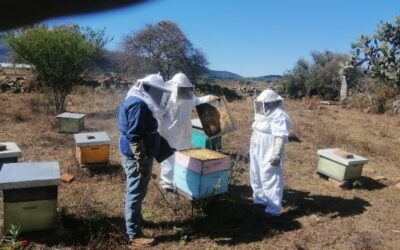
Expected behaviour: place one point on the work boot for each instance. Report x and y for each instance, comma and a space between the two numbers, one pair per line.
142, 242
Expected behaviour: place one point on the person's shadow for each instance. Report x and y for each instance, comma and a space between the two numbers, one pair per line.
235, 219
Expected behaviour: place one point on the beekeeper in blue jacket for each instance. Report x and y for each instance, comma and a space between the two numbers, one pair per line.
267, 151
139, 144
177, 122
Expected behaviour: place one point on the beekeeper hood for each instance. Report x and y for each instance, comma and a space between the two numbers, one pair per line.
152, 91
266, 103
181, 88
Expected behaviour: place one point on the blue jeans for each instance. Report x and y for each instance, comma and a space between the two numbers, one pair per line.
136, 189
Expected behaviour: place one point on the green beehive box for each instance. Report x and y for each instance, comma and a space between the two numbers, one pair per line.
201, 140
31, 215
338, 167
30, 195
70, 122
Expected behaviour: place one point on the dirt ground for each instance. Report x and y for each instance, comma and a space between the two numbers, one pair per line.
316, 214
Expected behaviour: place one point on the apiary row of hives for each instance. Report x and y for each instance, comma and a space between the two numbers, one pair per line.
91, 148
30, 188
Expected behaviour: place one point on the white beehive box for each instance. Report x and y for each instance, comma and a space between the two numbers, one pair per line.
11, 153
338, 167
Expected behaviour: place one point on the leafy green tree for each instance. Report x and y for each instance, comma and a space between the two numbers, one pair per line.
321, 76
294, 80
164, 48
59, 56
379, 53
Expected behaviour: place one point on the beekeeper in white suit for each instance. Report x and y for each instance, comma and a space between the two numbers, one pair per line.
267, 150
176, 123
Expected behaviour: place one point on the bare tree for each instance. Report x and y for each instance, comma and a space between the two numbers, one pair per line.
164, 48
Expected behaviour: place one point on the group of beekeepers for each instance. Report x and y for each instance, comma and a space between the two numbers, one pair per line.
155, 120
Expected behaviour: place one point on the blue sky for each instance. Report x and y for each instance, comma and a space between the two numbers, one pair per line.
251, 37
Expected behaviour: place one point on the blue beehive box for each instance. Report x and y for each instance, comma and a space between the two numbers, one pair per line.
200, 139
201, 178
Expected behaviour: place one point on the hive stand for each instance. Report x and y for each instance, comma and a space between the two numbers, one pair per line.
333, 182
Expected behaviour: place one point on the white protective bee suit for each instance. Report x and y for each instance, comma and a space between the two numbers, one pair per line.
270, 133
176, 123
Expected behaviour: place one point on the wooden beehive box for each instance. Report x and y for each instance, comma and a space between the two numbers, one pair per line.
200, 139
70, 122
9, 153
201, 173
92, 148
30, 195
339, 166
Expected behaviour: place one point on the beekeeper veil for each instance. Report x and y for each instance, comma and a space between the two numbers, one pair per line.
152, 91
181, 88
266, 103
181, 94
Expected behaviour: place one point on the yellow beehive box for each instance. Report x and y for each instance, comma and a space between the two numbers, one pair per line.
92, 148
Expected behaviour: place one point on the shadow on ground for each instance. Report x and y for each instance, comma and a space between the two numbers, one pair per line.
367, 183
234, 219
98, 231
227, 220
110, 169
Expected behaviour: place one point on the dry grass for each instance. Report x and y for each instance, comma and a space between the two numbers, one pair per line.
316, 216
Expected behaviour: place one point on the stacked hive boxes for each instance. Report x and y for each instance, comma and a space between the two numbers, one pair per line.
338, 167
30, 195
9, 153
92, 148
70, 122
201, 140
201, 173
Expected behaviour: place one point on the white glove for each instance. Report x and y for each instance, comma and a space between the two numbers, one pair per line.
213, 98
276, 152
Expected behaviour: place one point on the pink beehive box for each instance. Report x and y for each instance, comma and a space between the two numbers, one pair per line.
216, 162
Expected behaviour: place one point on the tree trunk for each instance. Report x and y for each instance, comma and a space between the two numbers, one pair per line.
343, 88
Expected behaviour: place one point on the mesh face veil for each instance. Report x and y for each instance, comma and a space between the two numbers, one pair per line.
266, 108
160, 96
259, 108
185, 93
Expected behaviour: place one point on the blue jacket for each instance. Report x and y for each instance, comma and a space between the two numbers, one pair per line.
136, 122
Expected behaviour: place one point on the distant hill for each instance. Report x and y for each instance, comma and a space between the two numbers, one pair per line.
265, 78
226, 75
221, 75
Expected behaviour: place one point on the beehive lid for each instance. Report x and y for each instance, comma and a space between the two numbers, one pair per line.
196, 123
71, 115
12, 150
29, 174
92, 139
215, 118
203, 154
330, 154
